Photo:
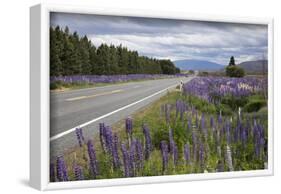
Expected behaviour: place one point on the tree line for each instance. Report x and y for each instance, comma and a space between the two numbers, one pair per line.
71, 54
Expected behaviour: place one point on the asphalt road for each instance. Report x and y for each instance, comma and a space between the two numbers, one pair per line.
88, 107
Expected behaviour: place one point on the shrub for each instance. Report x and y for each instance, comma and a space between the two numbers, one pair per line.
234, 102
254, 106
263, 110
224, 109
202, 104
204, 73
56, 85
234, 71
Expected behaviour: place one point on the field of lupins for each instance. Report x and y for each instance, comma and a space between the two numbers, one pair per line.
92, 79
175, 137
213, 89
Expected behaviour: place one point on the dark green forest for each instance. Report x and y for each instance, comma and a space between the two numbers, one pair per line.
71, 54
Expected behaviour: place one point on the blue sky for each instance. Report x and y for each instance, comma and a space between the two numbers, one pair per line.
171, 39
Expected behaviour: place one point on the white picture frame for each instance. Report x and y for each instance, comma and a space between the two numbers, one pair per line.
39, 97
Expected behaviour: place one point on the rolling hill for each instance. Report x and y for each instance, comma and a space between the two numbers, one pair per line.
254, 66
200, 65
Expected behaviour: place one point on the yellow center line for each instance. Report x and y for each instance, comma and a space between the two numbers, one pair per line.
95, 95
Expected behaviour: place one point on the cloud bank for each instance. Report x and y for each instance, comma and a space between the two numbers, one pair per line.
172, 39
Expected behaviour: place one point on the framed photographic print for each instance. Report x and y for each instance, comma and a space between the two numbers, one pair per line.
124, 97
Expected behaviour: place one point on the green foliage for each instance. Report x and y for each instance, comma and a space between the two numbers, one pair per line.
231, 61
55, 85
243, 154
167, 67
201, 104
254, 105
203, 73
224, 109
234, 102
234, 71
191, 71
74, 55
263, 110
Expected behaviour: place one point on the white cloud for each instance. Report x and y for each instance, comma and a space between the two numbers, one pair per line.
174, 39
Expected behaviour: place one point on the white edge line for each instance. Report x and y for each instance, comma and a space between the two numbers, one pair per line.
108, 114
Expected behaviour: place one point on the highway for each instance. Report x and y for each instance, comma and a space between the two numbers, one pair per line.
88, 107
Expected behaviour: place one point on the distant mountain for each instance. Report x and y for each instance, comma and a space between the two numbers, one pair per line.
200, 65
254, 66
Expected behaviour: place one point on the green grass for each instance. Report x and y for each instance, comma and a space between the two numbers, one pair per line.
154, 117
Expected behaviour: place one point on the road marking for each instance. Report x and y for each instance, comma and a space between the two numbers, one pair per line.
108, 114
95, 95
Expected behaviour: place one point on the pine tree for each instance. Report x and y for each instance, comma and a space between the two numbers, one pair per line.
72, 55
232, 61
84, 51
55, 49
113, 60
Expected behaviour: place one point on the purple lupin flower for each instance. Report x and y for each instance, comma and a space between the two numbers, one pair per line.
93, 158
61, 169
148, 143
78, 172
132, 156
102, 135
115, 156
129, 128
261, 130
187, 153
194, 146
257, 141
202, 156
79, 135
126, 160
108, 139
189, 123
212, 123
180, 108
220, 119
244, 136
52, 173
164, 152
139, 154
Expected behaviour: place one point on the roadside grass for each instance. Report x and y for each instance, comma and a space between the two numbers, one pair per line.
148, 115
154, 117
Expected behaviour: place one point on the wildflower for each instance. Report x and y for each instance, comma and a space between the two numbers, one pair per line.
78, 172
164, 152
93, 158
126, 160
148, 144
61, 169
